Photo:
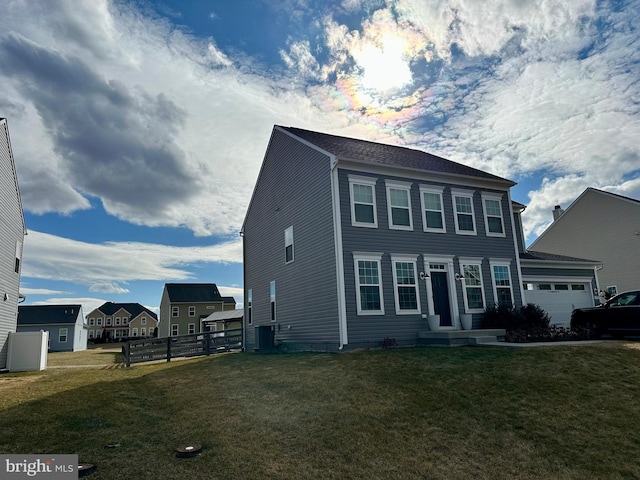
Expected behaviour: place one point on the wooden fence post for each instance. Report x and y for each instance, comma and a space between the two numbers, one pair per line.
127, 354
168, 349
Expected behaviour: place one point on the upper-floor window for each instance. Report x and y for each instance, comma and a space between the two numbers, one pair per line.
249, 306
288, 245
108, 320
363, 201
473, 291
18, 256
493, 220
368, 284
432, 209
501, 275
405, 285
175, 311
399, 205
192, 311
143, 321
92, 322
99, 321
117, 320
464, 216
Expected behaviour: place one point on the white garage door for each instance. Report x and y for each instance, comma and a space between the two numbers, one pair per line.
559, 299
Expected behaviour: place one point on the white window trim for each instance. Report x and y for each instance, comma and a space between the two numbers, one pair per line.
447, 260
469, 195
389, 184
175, 311
498, 198
175, 326
192, 310
143, 332
92, 322
356, 180
478, 262
143, 321
191, 328
413, 261
438, 191
60, 335
250, 306
376, 257
288, 241
500, 263
134, 332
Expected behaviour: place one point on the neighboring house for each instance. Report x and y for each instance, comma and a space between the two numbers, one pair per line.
220, 321
602, 226
556, 283
65, 324
12, 232
184, 305
118, 321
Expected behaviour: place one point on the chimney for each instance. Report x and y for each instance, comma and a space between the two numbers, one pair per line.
557, 212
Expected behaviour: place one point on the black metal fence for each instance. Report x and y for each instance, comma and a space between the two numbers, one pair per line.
205, 343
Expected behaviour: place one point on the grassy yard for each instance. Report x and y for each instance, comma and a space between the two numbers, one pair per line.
562, 412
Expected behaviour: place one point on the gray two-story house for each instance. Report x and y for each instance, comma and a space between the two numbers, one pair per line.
348, 242
12, 232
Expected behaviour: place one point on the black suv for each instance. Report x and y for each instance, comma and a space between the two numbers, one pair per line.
618, 316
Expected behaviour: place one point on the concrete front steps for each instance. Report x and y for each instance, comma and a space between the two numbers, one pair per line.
452, 338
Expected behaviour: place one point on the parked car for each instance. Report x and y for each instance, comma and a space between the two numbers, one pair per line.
618, 316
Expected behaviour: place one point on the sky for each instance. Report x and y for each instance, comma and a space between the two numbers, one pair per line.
138, 127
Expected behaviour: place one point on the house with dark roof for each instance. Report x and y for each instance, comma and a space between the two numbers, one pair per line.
601, 225
350, 242
117, 321
12, 232
184, 305
65, 324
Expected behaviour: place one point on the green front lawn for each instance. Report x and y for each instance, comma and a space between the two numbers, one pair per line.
439, 413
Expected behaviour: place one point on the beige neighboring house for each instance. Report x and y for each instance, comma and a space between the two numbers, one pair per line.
184, 305
12, 232
118, 321
603, 226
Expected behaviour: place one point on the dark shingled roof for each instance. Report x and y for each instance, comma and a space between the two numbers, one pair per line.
195, 292
391, 155
48, 314
135, 309
552, 257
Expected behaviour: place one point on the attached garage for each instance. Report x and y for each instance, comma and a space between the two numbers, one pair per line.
558, 284
559, 299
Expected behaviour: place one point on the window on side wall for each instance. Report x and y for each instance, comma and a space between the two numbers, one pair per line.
363, 201
473, 289
405, 285
432, 209
501, 275
175, 311
62, 335
493, 220
272, 296
399, 205
368, 284
250, 306
288, 245
464, 214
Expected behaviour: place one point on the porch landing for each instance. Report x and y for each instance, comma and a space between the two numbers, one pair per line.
452, 338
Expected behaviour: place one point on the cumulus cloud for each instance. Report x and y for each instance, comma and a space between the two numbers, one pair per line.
56, 258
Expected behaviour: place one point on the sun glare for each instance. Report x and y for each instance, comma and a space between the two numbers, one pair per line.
384, 68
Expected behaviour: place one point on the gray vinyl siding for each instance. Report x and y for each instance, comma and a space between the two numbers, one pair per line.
519, 231
11, 233
558, 272
293, 189
371, 329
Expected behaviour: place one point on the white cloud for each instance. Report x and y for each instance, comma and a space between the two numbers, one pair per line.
41, 291
56, 258
107, 287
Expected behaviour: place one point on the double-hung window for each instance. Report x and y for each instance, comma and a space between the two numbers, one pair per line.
368, 284
62, 335
363, 201
463, 209
432, 209
399, 205
473, 290
192, 311
493, 220
272, 296
175, 311
250, 306
192, 328
174, 329
405, 285
501, 275
288, 245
